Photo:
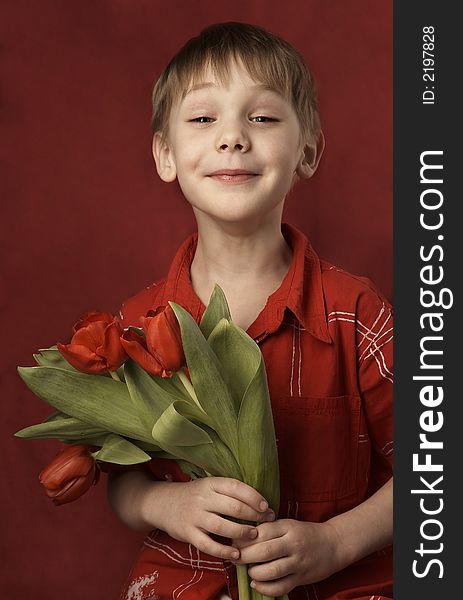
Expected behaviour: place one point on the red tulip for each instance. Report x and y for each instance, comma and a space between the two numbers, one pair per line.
70, 474
160, 352
95, 346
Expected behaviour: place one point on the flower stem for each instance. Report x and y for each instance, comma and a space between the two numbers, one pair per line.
114, 375
189, 388
244, 591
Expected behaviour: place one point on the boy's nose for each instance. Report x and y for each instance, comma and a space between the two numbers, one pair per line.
237, 146
232, 139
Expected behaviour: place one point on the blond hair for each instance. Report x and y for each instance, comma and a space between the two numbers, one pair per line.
267, 58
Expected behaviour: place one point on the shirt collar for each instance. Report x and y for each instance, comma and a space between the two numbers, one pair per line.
303, 286
301, 290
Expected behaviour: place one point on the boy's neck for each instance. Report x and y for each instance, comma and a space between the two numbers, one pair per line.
244, 261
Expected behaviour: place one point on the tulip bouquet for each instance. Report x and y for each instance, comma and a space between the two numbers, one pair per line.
171, 389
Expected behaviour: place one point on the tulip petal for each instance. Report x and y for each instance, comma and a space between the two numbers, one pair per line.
111, 349
82, 359
141, 356
52, 493
74, 489
63, 468
164, 340
91, 336
91, 316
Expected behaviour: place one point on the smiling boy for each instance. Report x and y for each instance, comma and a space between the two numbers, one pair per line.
235, 150
236, 123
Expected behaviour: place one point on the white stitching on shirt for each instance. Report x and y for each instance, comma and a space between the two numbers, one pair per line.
186, 584
292, 362
377, 336
376, 320
382, 367
175, 556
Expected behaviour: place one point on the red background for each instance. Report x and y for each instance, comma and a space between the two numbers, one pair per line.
86, 221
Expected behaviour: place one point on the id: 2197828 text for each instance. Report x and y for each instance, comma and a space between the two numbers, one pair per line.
428, 64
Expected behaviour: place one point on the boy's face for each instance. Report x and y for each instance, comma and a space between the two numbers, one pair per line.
235, 149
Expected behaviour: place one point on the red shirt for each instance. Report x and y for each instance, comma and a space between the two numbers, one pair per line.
326, 338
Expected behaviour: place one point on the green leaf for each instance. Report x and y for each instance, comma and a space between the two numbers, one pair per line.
191, 470
216, 310
56, 416
216, 459
239, 357
151, 393
174, 386
151, 447
148, 397
99, 401
60, 428
51, 357
208, 383
121, 452
174, 429
99, 440
212, 456
258, 456
93, 440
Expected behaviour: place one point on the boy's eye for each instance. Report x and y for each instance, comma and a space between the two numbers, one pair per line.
256, 119
201, 120
262, 119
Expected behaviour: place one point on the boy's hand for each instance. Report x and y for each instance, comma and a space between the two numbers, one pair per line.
292, 552
193, 510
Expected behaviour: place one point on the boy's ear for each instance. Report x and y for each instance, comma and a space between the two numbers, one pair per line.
311, 157
163, 158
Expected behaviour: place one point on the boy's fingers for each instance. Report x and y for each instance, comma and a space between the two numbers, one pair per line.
268, 516
240, 491
206, 544
277, 587
263, 553
266, 546
231, 507
242, 543
230, 529
270, 531
271, 570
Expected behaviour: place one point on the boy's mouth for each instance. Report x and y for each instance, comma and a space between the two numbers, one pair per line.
232, 175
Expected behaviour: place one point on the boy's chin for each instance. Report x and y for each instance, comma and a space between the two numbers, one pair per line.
233, 217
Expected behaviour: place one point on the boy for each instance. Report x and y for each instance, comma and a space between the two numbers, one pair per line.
236, 123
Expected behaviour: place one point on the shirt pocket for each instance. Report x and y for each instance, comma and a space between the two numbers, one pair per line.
318, 446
